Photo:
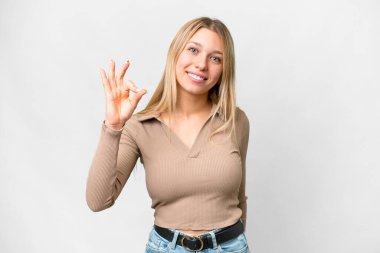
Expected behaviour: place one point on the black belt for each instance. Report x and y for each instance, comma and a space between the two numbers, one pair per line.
194, 242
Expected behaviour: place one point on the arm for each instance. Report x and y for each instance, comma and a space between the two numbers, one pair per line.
114, 160
117, 152
242, 138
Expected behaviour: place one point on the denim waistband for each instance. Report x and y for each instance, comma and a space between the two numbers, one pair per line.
182, 233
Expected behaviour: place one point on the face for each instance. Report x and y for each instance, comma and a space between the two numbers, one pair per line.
200, 64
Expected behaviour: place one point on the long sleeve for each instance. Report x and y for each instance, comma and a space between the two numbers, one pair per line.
112, 164
243, 138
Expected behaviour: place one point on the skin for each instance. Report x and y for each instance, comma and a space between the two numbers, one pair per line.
202, 56
119, 104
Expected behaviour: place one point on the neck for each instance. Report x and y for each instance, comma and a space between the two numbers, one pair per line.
190, 105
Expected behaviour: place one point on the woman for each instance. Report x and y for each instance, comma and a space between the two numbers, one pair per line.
192, 140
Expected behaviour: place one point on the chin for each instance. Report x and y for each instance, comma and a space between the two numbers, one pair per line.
196, 92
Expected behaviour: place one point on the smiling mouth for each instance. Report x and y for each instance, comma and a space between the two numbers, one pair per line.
196, 77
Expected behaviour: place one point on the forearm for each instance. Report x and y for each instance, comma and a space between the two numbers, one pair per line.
100, 190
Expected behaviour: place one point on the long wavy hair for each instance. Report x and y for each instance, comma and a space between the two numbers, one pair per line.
222, 93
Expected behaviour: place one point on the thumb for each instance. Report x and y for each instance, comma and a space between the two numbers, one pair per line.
137, 96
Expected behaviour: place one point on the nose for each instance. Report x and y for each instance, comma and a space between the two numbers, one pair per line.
201, 62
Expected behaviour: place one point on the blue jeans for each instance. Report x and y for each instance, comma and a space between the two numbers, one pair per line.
158, 244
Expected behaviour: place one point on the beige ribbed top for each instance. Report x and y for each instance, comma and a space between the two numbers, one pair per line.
197, 188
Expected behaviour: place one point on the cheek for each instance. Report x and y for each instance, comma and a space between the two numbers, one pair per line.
184, 60
218, 73
178, 67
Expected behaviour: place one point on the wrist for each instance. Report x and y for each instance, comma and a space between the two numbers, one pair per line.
114, 126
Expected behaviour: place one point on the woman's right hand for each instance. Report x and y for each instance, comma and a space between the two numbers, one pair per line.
119, 104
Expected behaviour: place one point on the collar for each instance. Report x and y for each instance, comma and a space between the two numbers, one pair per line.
142, 118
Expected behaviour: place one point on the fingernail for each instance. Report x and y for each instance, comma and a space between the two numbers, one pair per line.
138, 90
127, 61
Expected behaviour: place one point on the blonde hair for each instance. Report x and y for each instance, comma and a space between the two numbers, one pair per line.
222, 94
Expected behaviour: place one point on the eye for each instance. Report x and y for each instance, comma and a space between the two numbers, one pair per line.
216, 59
193, 50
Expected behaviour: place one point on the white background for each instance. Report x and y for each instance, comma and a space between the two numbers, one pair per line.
307, 77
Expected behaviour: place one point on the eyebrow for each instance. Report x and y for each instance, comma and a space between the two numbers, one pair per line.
200, 45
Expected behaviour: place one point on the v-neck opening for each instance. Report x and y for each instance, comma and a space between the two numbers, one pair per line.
191, 151
172, 133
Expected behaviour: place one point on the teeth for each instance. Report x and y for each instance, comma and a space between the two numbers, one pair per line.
196, 77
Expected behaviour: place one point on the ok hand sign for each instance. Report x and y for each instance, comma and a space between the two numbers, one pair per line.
119, 104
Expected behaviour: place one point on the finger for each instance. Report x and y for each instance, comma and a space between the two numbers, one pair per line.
111, 74
121, 74
105, 82
132, 86
125, 90
136, 98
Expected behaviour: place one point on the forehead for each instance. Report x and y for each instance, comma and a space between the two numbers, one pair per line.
207, 39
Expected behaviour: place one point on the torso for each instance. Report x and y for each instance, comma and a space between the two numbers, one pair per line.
187, 131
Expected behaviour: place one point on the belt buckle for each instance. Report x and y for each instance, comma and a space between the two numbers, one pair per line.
193, 237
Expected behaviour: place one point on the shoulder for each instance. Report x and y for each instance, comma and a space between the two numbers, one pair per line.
138, 119
132, 125
132, 121
141, 123
241, 118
